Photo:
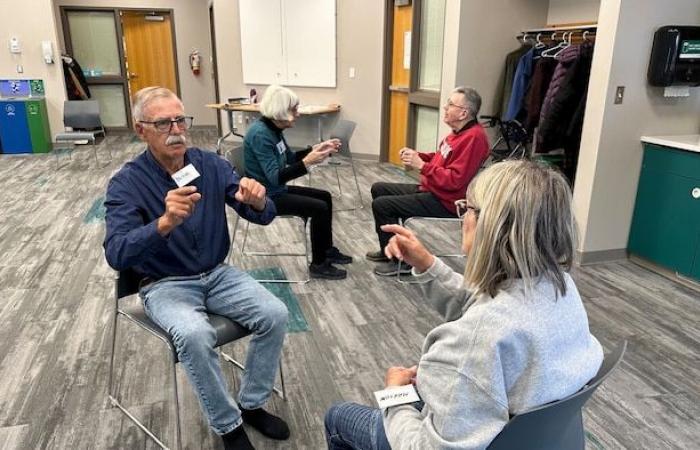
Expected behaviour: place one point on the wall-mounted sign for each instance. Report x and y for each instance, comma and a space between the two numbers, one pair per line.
21, 88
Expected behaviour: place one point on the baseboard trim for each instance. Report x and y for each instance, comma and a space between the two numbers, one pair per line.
365, 156
617, 254
670, 274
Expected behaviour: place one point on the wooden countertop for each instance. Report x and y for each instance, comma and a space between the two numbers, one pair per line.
304, 110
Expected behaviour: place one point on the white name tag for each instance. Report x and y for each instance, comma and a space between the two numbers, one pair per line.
281, 148
399, 395
445, 149
185, 175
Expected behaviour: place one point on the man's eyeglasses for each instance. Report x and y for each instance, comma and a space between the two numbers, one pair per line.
463, 208
449, 103
165, 125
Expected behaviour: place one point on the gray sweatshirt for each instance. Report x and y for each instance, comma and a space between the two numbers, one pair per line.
493, 357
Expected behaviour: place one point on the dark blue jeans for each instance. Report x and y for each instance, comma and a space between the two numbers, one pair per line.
353, 426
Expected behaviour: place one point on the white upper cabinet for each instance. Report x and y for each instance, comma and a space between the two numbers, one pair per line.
290, 42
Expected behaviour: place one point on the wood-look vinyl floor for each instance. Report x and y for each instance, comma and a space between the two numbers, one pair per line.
56, 308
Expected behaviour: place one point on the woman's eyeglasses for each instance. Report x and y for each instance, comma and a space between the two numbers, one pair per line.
463, 208
165, 125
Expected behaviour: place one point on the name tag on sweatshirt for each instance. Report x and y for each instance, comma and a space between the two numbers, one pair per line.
445, 149
281, 148
398, 395
185, 175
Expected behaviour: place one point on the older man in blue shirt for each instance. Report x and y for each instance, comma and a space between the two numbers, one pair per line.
177, 238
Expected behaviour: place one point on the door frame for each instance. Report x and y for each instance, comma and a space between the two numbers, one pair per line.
114, 79
416, 97
215, 66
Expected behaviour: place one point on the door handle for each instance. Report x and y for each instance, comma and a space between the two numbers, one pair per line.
133, 75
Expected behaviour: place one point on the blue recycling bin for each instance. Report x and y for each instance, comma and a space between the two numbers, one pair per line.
14, 129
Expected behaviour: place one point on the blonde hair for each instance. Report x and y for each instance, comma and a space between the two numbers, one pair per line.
277, 103
525, 227
144, 97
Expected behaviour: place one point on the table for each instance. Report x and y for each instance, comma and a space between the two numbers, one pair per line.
316, 111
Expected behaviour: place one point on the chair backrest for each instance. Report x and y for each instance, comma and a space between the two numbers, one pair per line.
343, 130
82, 114
556, 425
127, 283
237, 159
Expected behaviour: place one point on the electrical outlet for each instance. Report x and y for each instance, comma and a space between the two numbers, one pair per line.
619, 95
351, 72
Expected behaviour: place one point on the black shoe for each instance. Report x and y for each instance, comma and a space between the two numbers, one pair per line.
266, 423
327, 271
237, 439
390, 268
335, 257
377, 256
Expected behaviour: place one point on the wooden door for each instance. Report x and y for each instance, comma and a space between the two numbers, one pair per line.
149, 50
400, 81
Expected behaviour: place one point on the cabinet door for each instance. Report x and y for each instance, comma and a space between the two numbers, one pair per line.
261, 42
666, 216
309, 38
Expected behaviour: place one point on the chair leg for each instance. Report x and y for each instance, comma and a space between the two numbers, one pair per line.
233, 239
357, 184
281, 393
306, 255
113, 398
178, 430
340, 188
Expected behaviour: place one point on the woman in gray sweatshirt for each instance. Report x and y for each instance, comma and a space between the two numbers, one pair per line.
515, 334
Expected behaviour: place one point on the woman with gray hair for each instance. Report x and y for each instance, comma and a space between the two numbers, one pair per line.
516, 333
269, 160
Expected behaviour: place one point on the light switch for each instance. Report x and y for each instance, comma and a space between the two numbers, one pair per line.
351, 73
20, 69
619, 94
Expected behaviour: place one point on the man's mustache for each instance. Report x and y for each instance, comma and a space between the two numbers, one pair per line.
175, 140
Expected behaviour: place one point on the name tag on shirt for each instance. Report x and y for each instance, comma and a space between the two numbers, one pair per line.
281, 148
399, 395
445, 149
185, 175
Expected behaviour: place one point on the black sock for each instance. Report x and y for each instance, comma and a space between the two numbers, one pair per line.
266, 423
237, 439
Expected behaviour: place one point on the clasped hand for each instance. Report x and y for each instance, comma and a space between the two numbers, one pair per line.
400, 376
321, 151
411, 158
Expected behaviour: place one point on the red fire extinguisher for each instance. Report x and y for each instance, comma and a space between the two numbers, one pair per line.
195, 61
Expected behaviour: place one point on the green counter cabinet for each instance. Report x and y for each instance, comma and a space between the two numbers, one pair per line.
666, 224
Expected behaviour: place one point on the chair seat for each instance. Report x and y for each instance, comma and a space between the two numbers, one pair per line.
76, 136
226, 329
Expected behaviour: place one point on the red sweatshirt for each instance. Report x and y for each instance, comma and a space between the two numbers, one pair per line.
448, 171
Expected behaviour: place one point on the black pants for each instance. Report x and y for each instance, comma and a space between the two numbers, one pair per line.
315, 204
394, 201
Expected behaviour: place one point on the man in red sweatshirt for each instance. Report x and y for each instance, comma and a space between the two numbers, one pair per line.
444, 175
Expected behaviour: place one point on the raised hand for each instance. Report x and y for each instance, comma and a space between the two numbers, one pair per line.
321, 151
411, 158
179, 205
251, 193
405, 246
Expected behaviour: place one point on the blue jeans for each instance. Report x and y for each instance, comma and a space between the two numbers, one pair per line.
353, 426
179, 306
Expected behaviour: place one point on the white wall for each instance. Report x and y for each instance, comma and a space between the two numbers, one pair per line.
475, 50
360, 37
572, 11
32, 22
611, 154
191, 32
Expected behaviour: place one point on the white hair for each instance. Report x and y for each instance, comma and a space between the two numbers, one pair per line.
278, 102
144, 97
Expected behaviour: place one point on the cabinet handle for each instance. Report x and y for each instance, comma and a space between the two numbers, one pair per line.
695, 192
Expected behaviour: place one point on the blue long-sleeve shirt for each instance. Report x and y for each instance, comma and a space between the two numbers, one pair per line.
136, 199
